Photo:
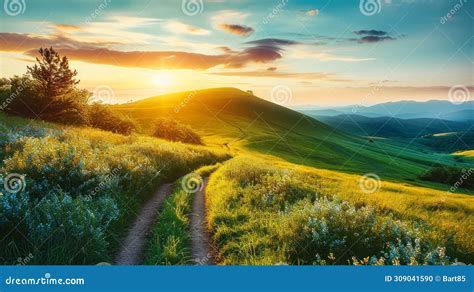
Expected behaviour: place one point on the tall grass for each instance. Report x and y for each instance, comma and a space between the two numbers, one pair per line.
83, 188
170, 242
262, 214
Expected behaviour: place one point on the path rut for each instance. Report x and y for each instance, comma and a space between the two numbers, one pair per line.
202, 251
131, 252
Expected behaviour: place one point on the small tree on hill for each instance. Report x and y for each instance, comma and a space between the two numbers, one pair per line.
48, 91
53, 74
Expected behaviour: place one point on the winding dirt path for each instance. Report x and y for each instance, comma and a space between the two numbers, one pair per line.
131, 252
202, 251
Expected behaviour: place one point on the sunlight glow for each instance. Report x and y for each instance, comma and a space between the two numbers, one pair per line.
162, 79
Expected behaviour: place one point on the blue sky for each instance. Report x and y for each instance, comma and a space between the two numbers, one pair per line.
326, 52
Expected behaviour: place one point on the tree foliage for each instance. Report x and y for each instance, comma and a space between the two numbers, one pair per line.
101, 117
174, 131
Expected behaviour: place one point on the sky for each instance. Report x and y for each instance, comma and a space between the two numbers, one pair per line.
293, 52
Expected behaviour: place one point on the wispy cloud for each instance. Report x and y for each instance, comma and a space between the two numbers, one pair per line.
180, 27
273, 73
372, 36
312, 12
101, 53
371, 32
237, 29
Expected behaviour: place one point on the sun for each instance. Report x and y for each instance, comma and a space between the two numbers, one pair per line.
162, 79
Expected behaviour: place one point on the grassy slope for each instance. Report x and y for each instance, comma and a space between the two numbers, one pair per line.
259, 210
93, 182
392, 127
247, 124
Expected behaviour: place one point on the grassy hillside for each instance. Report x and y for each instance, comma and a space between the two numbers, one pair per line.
291, 173
392, 127
236, 120
266, 212
81, 188
449, 142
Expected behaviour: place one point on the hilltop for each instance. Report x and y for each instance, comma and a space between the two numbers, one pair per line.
242, 122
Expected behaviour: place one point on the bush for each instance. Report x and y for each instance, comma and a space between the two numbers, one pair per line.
48, 91
174, 131
101, 117
25, 99
456, 177
82, 189
334, 232
263, 214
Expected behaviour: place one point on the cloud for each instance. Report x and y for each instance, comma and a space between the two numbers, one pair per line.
15, 42
237, 29
312, 12
228, 16
67, 27
372, 36
101, 53
375, 39
321, 76
371, 32
179, 27
273, 42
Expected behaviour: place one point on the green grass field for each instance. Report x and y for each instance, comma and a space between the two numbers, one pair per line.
291, 194
82, 188
260, 211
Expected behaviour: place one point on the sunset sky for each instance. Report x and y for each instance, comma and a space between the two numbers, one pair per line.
326, 52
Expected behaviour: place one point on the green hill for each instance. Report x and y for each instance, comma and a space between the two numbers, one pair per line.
389, 127
242, 122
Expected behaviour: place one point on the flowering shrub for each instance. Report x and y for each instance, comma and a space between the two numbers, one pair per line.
82, 189
263, 214
336, 232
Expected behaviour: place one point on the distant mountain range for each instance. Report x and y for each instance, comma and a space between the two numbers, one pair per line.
433, 109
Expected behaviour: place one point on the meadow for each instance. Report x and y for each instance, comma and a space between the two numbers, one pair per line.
288, 189
265, 213
82, 187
